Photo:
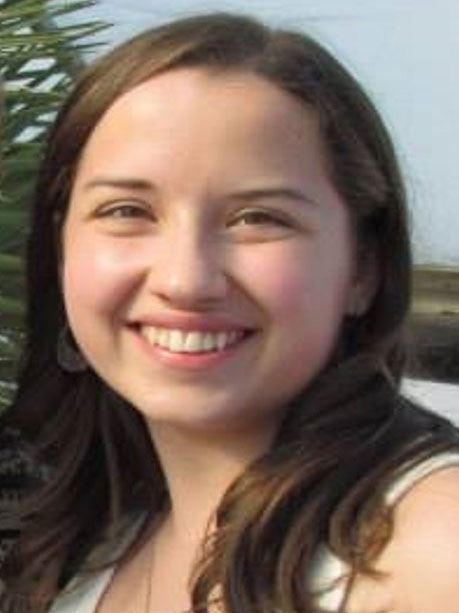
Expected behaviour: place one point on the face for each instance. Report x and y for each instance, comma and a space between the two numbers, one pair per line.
207, 258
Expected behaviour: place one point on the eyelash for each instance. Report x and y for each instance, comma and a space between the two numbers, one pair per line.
119, 210
267, 217
133, 211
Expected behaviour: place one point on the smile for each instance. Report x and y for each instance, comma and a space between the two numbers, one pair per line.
190, 341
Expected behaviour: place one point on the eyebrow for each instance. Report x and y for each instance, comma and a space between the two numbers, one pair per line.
281, 192
275, 192
120, 183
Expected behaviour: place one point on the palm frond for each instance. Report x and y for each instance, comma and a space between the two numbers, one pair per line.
39, 58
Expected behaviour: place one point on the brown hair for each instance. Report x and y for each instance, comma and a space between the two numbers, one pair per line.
344, 437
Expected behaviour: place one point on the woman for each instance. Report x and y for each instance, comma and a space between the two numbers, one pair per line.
219, 276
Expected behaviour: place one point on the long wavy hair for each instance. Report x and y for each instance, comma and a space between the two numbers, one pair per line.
343, 439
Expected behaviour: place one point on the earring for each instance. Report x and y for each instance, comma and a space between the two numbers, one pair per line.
356, 305
69, 357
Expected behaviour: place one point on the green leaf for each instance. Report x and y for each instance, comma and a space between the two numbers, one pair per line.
32, 91
9, 263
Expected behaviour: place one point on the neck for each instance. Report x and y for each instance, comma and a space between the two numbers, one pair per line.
199, 468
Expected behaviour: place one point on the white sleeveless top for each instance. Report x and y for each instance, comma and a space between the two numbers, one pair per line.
328, 570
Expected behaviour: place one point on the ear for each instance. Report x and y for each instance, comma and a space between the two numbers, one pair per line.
365, 283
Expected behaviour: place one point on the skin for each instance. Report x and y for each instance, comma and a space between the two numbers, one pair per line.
193, 239
420, 565
231, 217
188, 245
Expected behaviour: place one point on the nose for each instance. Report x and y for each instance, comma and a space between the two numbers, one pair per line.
189, 272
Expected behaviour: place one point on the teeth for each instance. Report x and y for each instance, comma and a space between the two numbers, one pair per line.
176, 340
162, 338
180, 341
208, 342
192, 342
222, 339
152, 335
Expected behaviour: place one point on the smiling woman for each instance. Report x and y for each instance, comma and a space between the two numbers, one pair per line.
219, 275
188, 256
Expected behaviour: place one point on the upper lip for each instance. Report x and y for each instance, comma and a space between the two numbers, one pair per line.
190, 321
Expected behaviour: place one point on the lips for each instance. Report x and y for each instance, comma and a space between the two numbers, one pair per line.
177, 340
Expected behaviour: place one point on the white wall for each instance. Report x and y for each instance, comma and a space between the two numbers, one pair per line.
406, 53
440, 397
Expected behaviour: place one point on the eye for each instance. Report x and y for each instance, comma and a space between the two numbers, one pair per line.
259, 217
124, 210
125, 218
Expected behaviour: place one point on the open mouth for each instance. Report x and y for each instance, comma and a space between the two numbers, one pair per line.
192, 341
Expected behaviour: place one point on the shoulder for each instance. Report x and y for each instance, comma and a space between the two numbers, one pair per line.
423, 554
420, 565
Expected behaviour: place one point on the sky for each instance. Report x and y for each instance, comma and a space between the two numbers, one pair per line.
404, 53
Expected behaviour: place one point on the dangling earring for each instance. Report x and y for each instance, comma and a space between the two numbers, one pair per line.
69, 357
356, 306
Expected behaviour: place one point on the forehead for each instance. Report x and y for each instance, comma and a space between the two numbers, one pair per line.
221, 128
210, 117
201, 138
174, 98
195, 136
200, 84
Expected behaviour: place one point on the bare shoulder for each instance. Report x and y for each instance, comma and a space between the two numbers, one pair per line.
421, 562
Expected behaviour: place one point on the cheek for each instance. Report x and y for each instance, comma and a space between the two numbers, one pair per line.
293, 282
96, 276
